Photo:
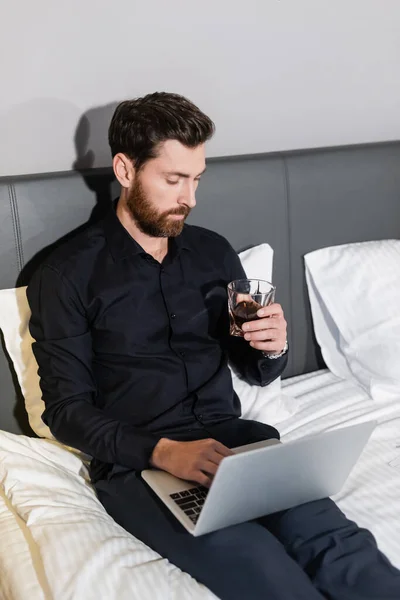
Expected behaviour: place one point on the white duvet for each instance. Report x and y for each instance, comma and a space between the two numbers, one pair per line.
64, 545
58, 543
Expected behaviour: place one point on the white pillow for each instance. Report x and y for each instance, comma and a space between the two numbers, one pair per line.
14, 318
268, 404
257, 262
326, 330
355, 300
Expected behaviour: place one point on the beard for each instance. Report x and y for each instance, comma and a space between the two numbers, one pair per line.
148, 219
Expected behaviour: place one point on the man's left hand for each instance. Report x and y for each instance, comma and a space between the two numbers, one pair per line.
268, 332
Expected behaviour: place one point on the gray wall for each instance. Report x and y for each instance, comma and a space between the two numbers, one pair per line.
273, 74
297, 201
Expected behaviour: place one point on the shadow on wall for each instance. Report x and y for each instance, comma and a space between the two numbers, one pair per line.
91, 146
92, 156
92, 151
42, 135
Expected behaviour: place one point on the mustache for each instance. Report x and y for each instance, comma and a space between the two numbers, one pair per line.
183, 210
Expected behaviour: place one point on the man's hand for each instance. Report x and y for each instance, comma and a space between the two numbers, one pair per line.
267, 333
195, 461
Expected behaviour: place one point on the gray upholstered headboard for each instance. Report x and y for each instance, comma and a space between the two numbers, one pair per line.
297, 202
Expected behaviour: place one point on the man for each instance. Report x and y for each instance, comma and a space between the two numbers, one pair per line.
132, 340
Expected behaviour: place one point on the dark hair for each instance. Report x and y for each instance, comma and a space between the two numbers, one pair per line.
139, 126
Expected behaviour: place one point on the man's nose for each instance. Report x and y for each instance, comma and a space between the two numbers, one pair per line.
189, 195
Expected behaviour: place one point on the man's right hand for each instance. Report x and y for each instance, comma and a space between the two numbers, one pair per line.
195, 461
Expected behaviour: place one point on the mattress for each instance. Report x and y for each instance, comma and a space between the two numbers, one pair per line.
58, 542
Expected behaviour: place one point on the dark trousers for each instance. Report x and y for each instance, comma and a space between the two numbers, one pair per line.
305, 553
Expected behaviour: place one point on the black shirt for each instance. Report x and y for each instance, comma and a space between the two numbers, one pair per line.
130, 350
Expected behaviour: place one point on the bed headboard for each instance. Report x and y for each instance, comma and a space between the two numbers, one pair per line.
297, 201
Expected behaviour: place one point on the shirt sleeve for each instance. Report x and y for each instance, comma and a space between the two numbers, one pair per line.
63, 350
249, 362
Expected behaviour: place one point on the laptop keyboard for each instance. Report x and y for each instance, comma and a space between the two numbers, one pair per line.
191, 501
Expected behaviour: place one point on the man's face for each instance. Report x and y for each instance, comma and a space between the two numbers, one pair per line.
163, 192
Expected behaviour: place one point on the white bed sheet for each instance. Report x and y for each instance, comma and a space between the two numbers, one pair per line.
371, 495
60, 543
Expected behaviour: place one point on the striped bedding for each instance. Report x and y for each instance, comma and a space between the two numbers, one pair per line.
371, 495
77, 551
56, 534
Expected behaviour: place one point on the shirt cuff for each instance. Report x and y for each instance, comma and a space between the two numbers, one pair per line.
135, 450
271, 369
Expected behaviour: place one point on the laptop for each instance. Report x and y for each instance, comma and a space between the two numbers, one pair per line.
263, 478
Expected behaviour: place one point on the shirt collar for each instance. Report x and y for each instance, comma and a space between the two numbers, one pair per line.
122, 244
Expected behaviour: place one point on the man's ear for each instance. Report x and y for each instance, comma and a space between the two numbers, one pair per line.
124, 170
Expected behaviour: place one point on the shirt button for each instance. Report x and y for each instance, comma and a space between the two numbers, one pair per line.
182, 353
173, 315
200, 416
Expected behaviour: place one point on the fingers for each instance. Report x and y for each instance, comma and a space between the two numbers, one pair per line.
263, 335
273, 310
209, 447
208, 467
267, 333
215, 453
221, 449
202, 479
197, 460
277, 322
276, 334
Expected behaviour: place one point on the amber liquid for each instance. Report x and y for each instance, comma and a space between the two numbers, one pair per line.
244, 311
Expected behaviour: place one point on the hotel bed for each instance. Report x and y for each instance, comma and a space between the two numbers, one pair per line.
57, 542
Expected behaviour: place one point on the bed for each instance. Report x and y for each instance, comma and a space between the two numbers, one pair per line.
57, 541
55, 530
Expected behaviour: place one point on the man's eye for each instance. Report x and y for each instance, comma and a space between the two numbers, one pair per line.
171, 182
